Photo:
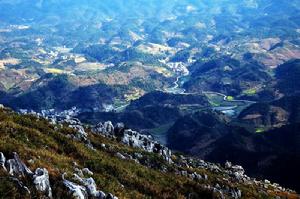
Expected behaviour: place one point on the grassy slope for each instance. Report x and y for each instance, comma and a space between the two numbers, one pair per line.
36, 139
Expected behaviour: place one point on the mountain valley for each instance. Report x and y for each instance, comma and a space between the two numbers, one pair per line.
153, 97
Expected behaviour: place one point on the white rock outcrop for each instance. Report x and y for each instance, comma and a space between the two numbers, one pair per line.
107, 128
18, 170
85, 188
16, 167
235, 170
2, 161
41, 181
75, 190
86, 171
133, 139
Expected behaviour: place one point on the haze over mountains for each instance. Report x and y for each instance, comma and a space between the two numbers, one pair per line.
213, 79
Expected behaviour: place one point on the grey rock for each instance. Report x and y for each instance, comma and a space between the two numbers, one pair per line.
228, 165
239, 193
87, 171
133, 139
184, 173
75, 190
81, 132
138, 155
89, 145
106, 129
121, 156
90, 186
219, 193
79, 172
196, 176
41, 181
237, 171
205, 177
267, 181
110, 196
120, 126
40, 178
238, 175
236, 193
102, 195
214, 168
16, 167
31, 161
2, 161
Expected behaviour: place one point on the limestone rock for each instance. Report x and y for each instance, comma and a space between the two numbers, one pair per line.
135, 139
80, 130
228, 165
17, 168
86, 186
235, 170
91, 187
121, 156
87, 171
2, 161
75, 190
41, 181
110, 196
107, 128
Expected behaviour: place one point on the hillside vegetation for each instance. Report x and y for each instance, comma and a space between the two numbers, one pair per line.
41, 144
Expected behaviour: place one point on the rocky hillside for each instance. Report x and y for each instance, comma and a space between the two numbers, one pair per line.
266, 133
65, 159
